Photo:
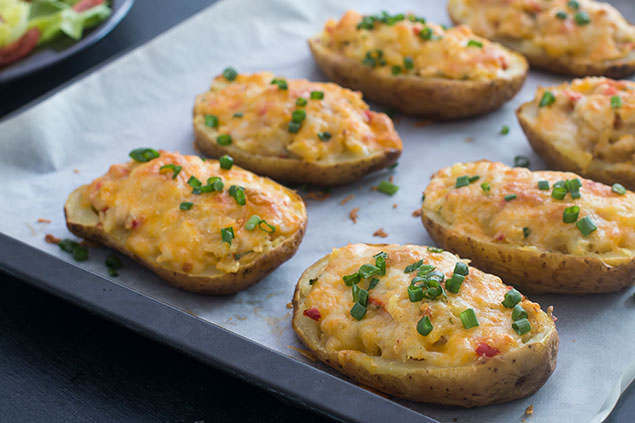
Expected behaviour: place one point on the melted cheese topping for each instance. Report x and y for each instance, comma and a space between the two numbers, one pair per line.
446, 55
389, 328
488, 216
607, 36
354, 130
139, 204
583, 123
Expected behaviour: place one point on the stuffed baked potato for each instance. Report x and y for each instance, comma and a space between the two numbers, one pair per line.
418, 67
420, 324
293, 130
577, 38
586, 126
203, 226
541, 231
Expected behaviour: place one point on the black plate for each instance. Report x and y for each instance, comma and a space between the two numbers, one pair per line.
61, 48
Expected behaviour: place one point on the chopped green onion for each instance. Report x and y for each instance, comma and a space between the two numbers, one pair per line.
230, 73
373, 283
368, 270
79, 252
380, 262
367, 22
468, 318
351, 279
174, 168
360, 295
143, 155
558, 193
415, 293
474, 178
426, 33
573, 4
226, 162
238, 114
113, 263
300, 102
215, 183
474, 43
616, 102
454, 283
358, 311
227, 234
424, 327
298, 115
521, 326
582, 18
408, 63
586, 225
561, 15
238, 193
547, 99
211, 121
412, 267
186, 205
462, 181
504, 130
387, 188
485, 187
396, 70
543, 185
324, 136
521, 161
512, 297
317, 95
425, 269
526, 232
194, 182
510, 197
518, 313
253, 222
224, 139
435, 250
573, 185
294, 127
570, 214
618, 189
281, 83
461, 268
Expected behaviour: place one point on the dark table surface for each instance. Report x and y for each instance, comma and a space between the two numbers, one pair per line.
60, 363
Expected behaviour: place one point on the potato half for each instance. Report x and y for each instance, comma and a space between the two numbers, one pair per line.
418, 68
443, 360
541, 231
555, 35
182, 218
588, 128
294, 130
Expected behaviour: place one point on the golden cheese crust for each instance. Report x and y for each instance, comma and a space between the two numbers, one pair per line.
397, 60
588, 129
509, 226
385, 348
191, 221
578, 38
294, 130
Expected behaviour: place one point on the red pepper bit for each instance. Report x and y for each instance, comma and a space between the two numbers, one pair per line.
312, 313
485, 350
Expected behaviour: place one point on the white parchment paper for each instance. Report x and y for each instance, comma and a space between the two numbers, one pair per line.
146, 98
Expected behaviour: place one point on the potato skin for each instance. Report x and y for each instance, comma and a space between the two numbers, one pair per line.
294, 170
619, 68
603, 172
532, 271
225, 283
435, 98
498, 379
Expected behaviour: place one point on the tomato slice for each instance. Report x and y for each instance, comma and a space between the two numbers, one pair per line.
20, 47
83, 5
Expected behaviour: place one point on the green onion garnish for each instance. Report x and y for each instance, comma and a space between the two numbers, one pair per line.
618, 189
360, 295
358, 311
518, 313
412, 267
547, 99
415, 293
294, 127
79, 252
512, 297
426, 33
230, 73
227, 234
424, 327
543, 185
281, 83
186, 205
573, 185
252, 223
324, 136
174, 168
586, 225
582, 18
368, 270
504, 130
616, 102
526, 232
510, 197
224, 139
373, 283
521, 326
396, 69
485, 187
300, 102
474, 43
387, 188
226, 162
113, 263
351, 279
317, 95
215, 183
211, 121
408, 63
461, 268
474, 178
298, 115
435, 250
194, 182
238, 193
238, 115
558, 192
573, 4
468, 318
380, 262
570, 214
143, 155
454, 283
521, 161
462, 181
561, 15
